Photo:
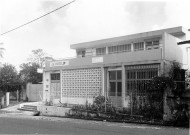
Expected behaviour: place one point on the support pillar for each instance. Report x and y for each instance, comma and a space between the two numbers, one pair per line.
123, 86
3, 100
103, 81
17, 94
7, 98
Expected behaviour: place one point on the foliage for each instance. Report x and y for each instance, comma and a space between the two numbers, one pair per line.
39, 57
159, 83
28, 73
8, 75
99, 100
155, 92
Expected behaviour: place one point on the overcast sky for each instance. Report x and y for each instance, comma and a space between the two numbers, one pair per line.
81, 21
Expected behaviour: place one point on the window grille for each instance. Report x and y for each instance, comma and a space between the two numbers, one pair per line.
55, 76
101, 51
136, 79
138, 46
119, 48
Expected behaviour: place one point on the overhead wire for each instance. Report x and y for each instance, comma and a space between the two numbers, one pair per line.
37, 18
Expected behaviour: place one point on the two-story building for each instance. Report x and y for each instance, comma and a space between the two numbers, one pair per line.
117, 68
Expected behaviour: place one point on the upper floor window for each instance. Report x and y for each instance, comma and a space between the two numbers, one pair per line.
55, 76
101, 51
154, 44
119, 48
81, 53
112, 49
124, 48
138, 46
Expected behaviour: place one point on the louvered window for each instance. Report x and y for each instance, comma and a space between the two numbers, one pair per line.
101, 51
138, 46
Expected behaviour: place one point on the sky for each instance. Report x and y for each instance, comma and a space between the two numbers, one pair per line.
81, 21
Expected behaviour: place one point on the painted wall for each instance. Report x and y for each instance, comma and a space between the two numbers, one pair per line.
54, 111
46, 86
186, 55
136, 56
34, 92
171, 50
75, 100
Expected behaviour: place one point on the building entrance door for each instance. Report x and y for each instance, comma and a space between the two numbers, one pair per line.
55, 87
115, 87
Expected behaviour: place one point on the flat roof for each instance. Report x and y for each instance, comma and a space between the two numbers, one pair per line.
184, 42
175, 31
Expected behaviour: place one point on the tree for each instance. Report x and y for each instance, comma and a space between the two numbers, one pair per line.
8, 75
39, 56
28, 73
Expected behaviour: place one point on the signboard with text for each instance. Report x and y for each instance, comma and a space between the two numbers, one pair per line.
59, 63
97, 59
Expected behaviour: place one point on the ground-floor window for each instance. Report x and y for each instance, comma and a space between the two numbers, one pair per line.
136, 79
115, 83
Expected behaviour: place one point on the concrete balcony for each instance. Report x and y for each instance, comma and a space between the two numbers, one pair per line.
125, 57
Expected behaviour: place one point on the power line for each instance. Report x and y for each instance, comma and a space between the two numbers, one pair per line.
37, 18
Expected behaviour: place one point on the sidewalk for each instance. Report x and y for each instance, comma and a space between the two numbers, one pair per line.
14, 109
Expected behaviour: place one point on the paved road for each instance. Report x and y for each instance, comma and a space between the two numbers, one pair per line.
19, 124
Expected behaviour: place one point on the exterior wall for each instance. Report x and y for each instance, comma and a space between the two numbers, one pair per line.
186, 56
126, 57
171, 50
46, 86
34, 92
137, 56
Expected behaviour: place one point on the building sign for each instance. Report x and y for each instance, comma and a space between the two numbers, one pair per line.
40, 70
59, 63
97, 59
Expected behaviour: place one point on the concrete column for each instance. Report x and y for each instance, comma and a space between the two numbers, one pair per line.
144, 43
17, 95
102, 90
107, 50
7, 98
104, 81
3, 100
123, 86
61, 84
132, 47
161, 68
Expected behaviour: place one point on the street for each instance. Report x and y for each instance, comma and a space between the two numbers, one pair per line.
13, 124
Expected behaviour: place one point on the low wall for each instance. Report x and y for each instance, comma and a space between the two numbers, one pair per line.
53, 110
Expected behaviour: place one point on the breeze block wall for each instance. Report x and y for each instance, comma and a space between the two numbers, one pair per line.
80, 85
